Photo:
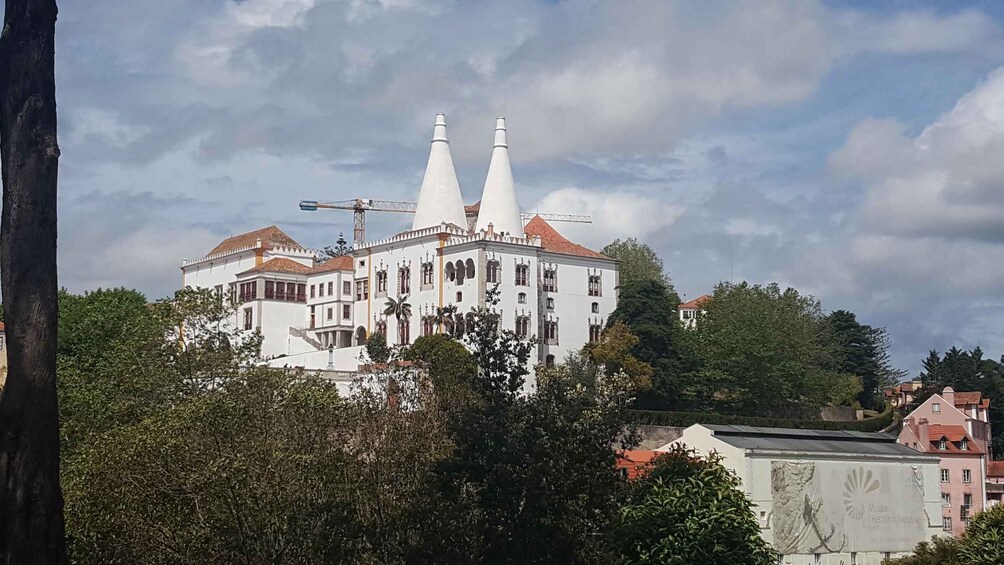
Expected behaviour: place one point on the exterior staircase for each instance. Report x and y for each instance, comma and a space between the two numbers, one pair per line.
305, 336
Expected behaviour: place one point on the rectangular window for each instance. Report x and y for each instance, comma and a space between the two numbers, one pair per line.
967, 500
404, 332
595, 285
942, 444
320, 290
946, 500
521, 298
270, 289
964, 444
248, 319
428, 274
551, 332
522, 275
945, 476
381, 283
301, 292
280, 291
522, 326
936, 407
492, 272
594, 333
967, 476
362, 289
331, 313
346, 312
313, 291
551, 280
404, 280
331, 288
346, 288
946, 523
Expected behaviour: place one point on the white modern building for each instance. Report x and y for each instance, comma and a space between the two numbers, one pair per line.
317, 317
829, 497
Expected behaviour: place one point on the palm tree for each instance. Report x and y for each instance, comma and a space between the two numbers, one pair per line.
399, 308
444, 316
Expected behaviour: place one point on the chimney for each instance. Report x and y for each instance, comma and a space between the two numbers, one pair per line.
498, 201
440, 200
924, 434
949, 395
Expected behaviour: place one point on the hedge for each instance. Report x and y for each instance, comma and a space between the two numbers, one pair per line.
685, 419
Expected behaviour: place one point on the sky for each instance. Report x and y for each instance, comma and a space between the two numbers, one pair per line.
851, 150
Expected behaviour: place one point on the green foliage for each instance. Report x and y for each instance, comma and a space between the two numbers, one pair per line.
340, 249
638, 262
399, 307
377, 349
685, 419
688, 510
863, 351
983, 542
614, 353
446, 361
939, 551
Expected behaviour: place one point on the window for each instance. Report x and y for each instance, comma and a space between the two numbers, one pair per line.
320, 290
249, 291
964, 444
945, 476
551, 279
346, 312
301, 292
551, 332
596, 307
347, 288
946, 500
946, 523
522, 275
595, 285
967, 500
380, 328
248, 319
427, 274
403, 332
942, 444
331, 288
522, 326
280, 291
492, 272
1, 342
521, 298
362, 262
460, 297
270, 289
550, 304
362, 289
967, 476
428, 325
594, 333
381, 283
549, 361
936, 407
313, 291
331, 313
404, 280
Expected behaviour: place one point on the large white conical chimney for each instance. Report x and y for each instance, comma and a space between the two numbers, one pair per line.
440, 200
498, 201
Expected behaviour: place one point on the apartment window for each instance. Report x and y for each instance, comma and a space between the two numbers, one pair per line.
346, 312
248, 318
522, 326
331, 314
936, 407
595, 285
428, 274
403, 332
522, 275
551, 332
945, 476
550, 304
946, 523
594, 332
942, 444
964, 444
362, 289
320, 290
521, 298
595, 308
404, 280
346, 288
946, 500
551, 280
492, 272
967, 476
381, 283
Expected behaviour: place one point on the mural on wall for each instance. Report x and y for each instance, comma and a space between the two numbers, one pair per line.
846, 507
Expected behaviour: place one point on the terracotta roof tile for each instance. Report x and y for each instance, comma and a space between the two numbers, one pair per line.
1, 327
964, 398
343, 263
695, 303
635, 461
954, 435
280, 265
473, 208
554, 242
270, 237
995, 469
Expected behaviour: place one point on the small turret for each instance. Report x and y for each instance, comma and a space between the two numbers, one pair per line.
440, 200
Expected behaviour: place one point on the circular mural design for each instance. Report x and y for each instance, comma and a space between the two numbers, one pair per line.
858, 485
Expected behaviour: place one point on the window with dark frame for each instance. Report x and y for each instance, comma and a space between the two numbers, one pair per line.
522, 275
595, 331
313, 291
551, 279
551, 332
492, 272
248, 319
331, 288
346, 288
404, 280
522, 326
346, 312
595, 285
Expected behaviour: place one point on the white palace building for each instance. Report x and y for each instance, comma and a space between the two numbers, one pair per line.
317, 316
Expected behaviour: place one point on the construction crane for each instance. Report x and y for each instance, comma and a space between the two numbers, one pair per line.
360, 206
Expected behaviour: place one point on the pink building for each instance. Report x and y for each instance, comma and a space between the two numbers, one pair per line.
995, 483
956, 427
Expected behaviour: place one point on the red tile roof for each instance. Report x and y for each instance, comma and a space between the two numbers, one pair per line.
995, 469
343, 263
280, 265
954, 435
270, 237
634, 461
964, 398
1, 327
695, 303
473, 208
554, 242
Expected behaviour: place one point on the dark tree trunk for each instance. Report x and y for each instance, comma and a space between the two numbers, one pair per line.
31, 503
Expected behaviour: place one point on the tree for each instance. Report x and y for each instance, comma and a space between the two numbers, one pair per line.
983, 542
31, 503
377, 349
613, 354
340, 249
939, 551
638, 262
863, 351
686, 509
399, 307
445, 317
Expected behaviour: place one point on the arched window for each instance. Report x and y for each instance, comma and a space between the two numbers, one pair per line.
551, 279
522, 326
549, 361
596, 307
428, 325
404, 280
461, 271
492, 272
427, 274
595, 331
451, 272
403, 331
551, 332
522, 275
470, 268
521, 298
595, 285
360, 335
